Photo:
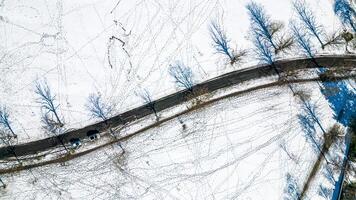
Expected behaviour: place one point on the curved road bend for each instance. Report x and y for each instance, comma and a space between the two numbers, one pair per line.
66, 157
169, 101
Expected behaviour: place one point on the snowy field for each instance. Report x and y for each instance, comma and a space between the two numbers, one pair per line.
68, 44
254, 146
245, 147
251, 146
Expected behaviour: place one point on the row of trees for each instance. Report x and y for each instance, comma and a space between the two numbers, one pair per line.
270, 37
51, 118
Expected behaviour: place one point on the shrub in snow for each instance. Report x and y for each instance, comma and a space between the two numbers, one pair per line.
183, 75
200, 95
347, 37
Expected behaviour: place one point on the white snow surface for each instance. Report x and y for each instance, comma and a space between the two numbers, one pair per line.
67, 43
238, 148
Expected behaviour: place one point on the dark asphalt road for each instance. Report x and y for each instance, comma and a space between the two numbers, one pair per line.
169, 101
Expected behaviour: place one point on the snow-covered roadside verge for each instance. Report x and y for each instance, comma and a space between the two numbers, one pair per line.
254, 130
130, 128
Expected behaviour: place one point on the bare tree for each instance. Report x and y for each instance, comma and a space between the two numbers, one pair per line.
97, 108
308, 20
346, 13
266, 30
48, 105
263, 50
5, 121
50, 117
222, 44
101, 110
302, 40
182, 75
147, 99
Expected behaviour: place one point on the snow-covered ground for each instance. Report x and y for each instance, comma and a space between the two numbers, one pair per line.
246, 147
68, 44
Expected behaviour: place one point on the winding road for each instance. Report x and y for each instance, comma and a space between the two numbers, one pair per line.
226, 80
